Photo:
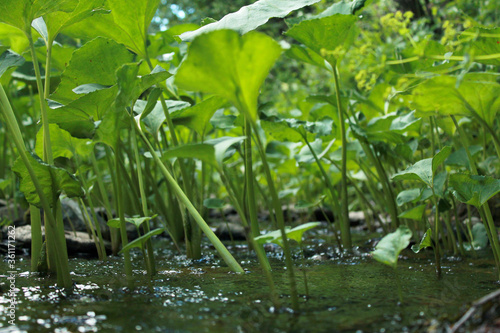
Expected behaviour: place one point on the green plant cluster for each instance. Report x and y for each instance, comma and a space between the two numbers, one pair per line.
387, 114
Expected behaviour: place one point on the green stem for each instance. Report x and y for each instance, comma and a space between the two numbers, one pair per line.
121, 216
36, 237
437, 251
279, 218
344, 205
224, 253
145, 210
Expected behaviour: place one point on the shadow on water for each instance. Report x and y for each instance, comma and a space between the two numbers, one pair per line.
352, 294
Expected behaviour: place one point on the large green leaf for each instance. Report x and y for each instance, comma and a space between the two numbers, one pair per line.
21, 13
63, 144
250, 17
483, 45
53, 181
475, 95
95, 62
127, 24
474, 190
9, 59
389, 247
229, 65
79, 117
57, 21
424, 170
324, 35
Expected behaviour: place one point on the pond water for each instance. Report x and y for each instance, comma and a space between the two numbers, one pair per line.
346, 294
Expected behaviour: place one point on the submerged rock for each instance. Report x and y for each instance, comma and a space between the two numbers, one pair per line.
225, 230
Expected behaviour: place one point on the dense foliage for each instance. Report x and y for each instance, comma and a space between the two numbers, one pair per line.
368, 108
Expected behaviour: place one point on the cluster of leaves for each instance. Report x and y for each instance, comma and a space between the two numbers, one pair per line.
405, 91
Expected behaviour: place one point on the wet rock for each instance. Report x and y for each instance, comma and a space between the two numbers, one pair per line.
225, 230
78, 242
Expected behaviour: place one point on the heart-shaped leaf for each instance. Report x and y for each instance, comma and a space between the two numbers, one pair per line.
389, 247
424, 170
474, 190
229, 65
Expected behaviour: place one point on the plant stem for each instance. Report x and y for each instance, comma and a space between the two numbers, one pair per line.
279, 218
344, 205
36, 236
224, 253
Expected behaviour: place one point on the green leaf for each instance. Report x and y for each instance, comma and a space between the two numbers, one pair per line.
58, 21
213, 203
416, 213
474, 96
156, 117
389, 247
9, 59
343, 7
53, 181
479, 238
21, 13
95, 62
424, 170
63, 144
295, 234
198, 116
250, 17
211, 152
425, 242
482, 45
137, 221
229, 65
127, 24
474, 190
79, 117
459, 157
306, 55
139, 242
324, 35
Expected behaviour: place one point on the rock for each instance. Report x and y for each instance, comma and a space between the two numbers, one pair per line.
225, 230
356, 218
78, 242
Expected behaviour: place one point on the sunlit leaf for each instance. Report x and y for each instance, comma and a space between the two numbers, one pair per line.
229, 65
95, 62
324, 35
250, 17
